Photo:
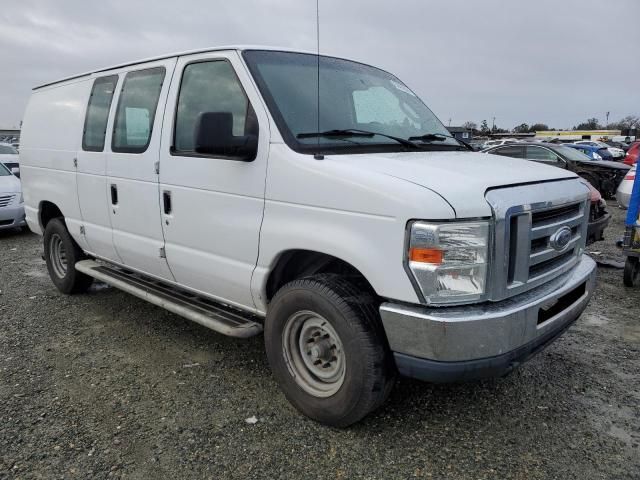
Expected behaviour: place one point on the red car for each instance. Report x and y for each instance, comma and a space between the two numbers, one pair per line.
632, 154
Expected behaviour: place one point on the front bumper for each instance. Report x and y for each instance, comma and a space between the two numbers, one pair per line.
12, 217
596, 229
451, 344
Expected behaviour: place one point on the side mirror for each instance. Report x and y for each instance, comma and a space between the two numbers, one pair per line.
15, 171
214, 136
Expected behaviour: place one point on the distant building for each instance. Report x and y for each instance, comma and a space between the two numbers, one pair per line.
461, 133
575, 135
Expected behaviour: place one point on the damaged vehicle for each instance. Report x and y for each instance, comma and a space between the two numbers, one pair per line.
570, 159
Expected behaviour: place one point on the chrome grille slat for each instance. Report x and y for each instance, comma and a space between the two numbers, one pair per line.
549, 253
549, 229
6, 200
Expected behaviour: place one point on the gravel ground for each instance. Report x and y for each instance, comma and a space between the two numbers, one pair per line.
104, 385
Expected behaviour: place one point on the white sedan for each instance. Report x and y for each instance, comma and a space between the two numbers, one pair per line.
624, 190
9, 156
11, 201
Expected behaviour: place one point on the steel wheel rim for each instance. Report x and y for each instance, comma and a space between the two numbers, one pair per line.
314, 354
58, 256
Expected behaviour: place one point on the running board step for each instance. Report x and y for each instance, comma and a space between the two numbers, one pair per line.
213, 315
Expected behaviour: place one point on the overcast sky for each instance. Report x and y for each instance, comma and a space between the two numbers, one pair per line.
557, 62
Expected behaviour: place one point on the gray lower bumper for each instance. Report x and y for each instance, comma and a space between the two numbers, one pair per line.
12, 217
453, 343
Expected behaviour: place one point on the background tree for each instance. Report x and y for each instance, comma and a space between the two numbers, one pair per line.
522, 128
470, 125
631, 121
539, 127
484, 128
590, 124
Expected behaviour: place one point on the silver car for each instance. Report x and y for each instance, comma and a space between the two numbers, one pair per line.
624, 190
11, 202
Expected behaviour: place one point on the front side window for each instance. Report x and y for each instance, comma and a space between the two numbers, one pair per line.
95, 122
4, 171
137, 110
351, 96
541, 154
210, 86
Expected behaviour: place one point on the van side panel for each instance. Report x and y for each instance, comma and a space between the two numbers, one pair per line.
50, 138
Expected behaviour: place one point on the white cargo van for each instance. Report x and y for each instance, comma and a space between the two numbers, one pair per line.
362, 238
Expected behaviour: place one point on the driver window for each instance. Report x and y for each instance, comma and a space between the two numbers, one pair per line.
210, 86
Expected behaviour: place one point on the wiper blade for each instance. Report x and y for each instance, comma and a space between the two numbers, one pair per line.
353, 132
440, 137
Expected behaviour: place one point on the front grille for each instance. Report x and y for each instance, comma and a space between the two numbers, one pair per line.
543, 257
5, 200
540, 233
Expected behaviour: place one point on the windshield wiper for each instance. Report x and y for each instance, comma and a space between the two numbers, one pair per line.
353, 132
440, 137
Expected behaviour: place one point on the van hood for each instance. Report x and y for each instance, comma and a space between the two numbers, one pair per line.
461, 178
10, 184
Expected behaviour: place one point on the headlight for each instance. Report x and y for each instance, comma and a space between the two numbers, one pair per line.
449, 261
21, 198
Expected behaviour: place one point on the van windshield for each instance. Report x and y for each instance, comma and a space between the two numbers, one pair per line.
353, 96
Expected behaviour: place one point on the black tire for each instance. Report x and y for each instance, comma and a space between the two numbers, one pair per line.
631, 275
69, 280
352, 312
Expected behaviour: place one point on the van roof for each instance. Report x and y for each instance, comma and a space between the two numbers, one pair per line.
171, 55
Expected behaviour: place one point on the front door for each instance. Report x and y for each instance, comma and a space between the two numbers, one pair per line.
212, 205
132, 179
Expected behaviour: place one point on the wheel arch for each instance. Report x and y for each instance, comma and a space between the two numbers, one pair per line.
47, 211
298, 263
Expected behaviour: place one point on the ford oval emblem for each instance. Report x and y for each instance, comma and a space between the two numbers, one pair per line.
560, 239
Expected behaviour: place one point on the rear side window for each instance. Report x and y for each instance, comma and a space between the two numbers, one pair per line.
95, 121
510, 151
209, 87
137, 110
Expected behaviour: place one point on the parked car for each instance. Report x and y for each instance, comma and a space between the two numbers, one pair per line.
623, 195
621, 145
495, 143
11, 201
594, 153
569, 159
632, 154
605, 176
616, 153
9, 156
372, 244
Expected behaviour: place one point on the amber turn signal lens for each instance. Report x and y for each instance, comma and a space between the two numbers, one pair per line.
426, 255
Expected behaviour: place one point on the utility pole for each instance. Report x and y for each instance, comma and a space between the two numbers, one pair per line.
608, 118
493, 127
449, 122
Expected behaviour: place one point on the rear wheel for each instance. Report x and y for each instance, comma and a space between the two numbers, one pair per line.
327, 349
61, 253
632, 272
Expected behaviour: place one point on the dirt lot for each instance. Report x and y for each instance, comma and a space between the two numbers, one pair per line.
104, 385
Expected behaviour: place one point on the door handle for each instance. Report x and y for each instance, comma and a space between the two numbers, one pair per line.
166, 202
114, 194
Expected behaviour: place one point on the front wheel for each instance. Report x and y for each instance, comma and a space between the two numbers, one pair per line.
61, 253
327, 349
632, 272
